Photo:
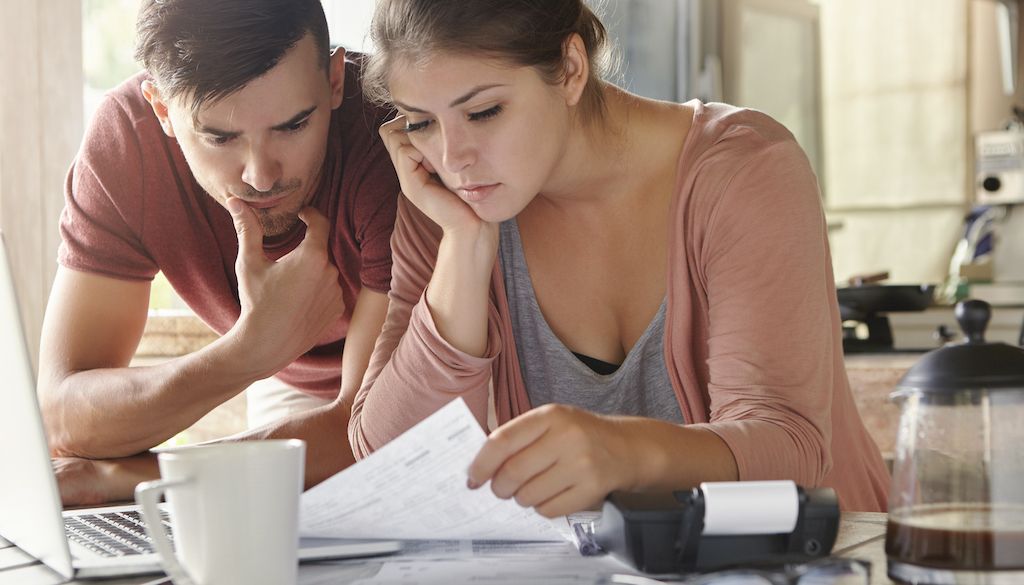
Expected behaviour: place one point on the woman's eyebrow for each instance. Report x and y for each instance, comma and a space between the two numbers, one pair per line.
457, 101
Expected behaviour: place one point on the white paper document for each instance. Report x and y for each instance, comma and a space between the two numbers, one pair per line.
579, 571
415, 488
425, 562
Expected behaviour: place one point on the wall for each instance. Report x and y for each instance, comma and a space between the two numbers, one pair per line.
989, 106
40, 130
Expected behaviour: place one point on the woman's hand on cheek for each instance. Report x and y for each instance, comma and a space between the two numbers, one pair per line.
430, 169
420, 183
556, 459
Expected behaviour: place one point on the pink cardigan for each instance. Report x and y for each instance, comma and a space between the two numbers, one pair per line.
752, 336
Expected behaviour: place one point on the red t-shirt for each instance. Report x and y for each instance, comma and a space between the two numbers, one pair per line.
133, 208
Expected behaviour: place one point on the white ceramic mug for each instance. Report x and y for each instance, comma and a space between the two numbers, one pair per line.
234, 508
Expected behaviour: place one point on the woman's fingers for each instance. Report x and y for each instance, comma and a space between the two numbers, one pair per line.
419, 180
429, 167
523, 467
395, 138
505, 442
556, 459
578, 497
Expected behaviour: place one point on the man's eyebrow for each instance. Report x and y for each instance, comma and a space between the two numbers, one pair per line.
295, 119
205, 129
457, 101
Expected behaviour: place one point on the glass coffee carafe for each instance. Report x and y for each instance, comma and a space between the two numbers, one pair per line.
956, 509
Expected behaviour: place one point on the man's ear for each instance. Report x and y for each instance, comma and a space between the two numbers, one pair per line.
577, 69
156, 101
337, 76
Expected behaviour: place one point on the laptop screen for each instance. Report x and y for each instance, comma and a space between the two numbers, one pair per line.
30, 508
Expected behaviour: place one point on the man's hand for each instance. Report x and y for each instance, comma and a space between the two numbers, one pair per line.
288, 305
91, 482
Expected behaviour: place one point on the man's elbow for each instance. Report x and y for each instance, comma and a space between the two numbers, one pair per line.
61, 441
51, 409
58, 423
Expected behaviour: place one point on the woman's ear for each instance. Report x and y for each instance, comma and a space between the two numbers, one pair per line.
577, 68
156, 101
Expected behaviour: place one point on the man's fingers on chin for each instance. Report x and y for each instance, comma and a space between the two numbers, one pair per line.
248, 229
316, 223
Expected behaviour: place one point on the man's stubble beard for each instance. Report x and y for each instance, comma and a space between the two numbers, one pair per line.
275, 224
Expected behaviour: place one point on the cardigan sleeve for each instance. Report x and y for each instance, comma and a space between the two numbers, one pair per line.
765, 267
413, 371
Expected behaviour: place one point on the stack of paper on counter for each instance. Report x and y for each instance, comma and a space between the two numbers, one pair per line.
414, 488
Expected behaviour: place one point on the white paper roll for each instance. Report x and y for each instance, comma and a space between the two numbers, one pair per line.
750, 507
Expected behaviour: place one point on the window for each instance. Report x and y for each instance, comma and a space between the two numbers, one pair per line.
108, 47
349, 23
108, 58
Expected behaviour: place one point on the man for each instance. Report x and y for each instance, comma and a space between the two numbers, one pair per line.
244, 165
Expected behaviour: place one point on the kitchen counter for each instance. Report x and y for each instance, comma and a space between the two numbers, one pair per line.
861, 536
873, 376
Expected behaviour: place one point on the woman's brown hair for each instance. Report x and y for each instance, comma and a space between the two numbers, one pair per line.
530, 33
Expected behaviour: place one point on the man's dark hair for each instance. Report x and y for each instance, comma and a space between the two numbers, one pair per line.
206, 50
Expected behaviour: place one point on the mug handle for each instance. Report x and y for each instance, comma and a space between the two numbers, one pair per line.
147, 495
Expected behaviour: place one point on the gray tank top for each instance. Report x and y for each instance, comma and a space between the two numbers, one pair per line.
552, 374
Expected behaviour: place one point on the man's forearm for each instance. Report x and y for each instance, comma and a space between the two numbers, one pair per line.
325, 431
117, 412
93, 482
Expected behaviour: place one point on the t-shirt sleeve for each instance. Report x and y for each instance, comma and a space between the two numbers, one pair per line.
376, 201
101, 223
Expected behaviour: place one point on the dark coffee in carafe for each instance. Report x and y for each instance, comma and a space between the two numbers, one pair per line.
975, 537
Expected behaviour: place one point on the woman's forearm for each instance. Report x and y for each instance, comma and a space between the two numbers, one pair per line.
670, 457
458, 293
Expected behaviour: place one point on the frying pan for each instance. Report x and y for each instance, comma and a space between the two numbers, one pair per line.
858, 302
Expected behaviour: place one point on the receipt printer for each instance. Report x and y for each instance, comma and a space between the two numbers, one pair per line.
719, 525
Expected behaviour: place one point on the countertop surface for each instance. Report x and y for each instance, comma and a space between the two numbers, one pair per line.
861, 536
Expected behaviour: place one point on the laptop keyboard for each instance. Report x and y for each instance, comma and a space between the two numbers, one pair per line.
112, 534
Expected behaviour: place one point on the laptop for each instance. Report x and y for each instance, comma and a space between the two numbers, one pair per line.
85, 543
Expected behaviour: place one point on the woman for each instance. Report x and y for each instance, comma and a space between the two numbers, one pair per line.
645, 285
